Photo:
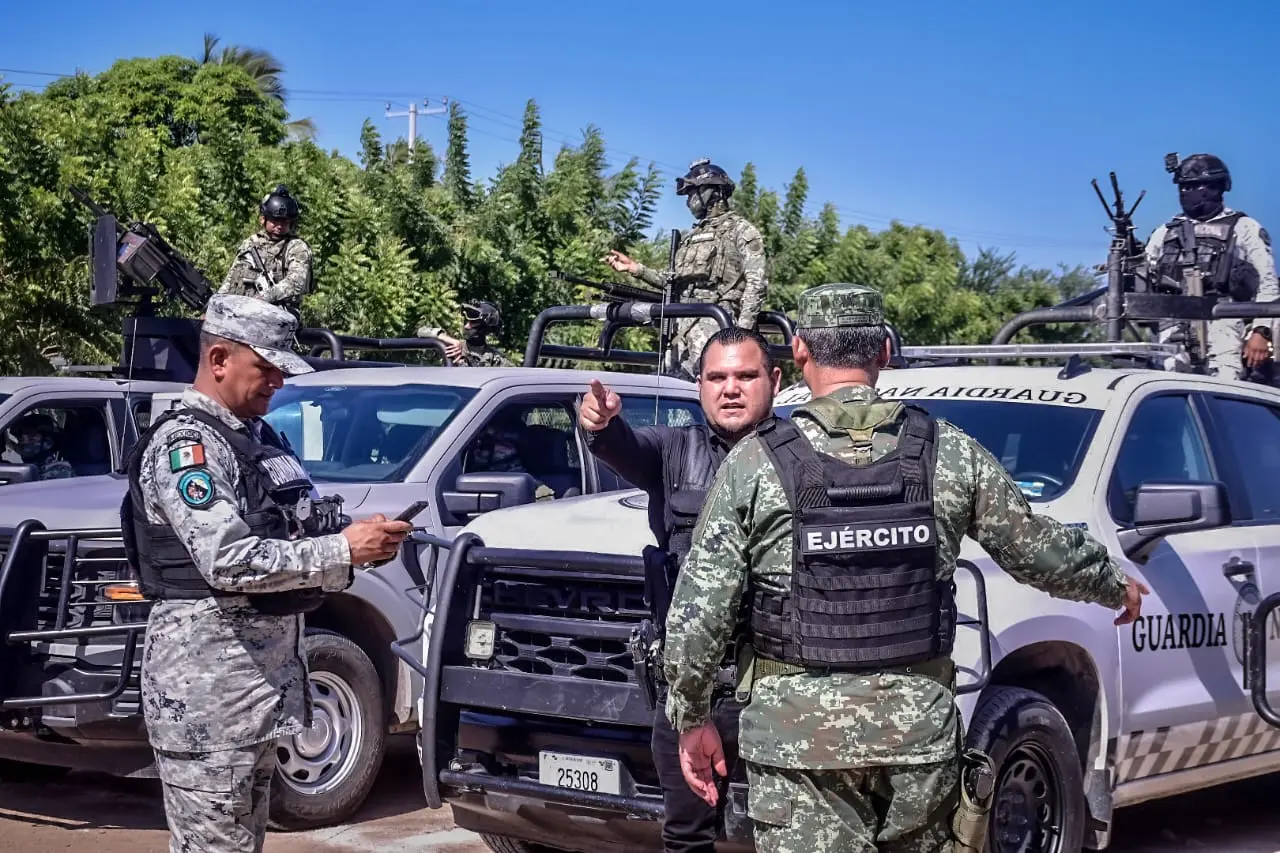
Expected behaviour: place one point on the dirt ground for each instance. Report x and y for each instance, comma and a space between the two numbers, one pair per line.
90, 813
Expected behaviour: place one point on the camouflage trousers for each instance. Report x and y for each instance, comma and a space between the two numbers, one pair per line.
1224, 348
687, 343
898, 809
216, 802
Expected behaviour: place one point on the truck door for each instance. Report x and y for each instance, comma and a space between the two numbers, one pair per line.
1181, 662
1246, 438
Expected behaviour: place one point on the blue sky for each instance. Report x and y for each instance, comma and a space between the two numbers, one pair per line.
985, 119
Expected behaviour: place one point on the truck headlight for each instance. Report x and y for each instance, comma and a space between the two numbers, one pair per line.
480, 639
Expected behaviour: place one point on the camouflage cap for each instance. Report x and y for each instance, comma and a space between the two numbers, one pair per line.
840, 304
267, 329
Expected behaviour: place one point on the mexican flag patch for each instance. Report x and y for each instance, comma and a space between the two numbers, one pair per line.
186, 457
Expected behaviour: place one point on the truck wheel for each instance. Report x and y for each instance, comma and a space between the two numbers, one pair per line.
503, 844
324, 773
1039, 796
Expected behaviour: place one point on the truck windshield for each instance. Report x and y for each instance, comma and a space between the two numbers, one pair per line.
363, 433
1041, 446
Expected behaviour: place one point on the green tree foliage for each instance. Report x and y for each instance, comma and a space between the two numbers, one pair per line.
402, 238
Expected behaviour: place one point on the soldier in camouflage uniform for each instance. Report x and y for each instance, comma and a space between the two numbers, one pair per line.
286, 256
479, 320
844, 756
223, 668
1248, 274
35, 438
720, 260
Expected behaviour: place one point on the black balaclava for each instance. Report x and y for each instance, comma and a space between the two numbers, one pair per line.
1201, 201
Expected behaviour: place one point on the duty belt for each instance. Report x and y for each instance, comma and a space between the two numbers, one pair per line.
941, 670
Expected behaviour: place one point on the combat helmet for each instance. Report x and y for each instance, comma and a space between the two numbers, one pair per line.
1202, 168
704, 173
278, 204
482, 316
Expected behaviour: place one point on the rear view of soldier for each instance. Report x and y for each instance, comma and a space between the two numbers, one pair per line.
1219, 252
274, 264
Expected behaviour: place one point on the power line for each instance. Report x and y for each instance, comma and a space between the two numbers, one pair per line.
480, 112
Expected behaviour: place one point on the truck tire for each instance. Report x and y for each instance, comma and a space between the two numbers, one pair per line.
324, 774
1039, 802
503, 844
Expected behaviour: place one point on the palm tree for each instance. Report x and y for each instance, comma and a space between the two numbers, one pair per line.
266, 71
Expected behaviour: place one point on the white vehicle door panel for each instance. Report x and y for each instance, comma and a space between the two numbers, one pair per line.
1181, 663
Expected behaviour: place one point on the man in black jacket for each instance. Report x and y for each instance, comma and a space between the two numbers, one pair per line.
737, 381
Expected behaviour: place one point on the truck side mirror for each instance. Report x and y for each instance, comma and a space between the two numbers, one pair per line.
11, 474
482, 492
1163, 509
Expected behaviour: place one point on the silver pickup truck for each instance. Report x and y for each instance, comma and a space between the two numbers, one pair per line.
382, 438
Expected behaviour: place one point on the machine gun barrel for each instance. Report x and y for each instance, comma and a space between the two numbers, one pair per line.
98, 210
619, 292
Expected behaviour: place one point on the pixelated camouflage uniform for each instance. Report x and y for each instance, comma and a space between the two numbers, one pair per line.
719, 260
221, 681
851, 761
288, 262
1225, 338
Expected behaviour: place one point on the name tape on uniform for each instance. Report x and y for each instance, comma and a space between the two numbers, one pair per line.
866, 537
284, 470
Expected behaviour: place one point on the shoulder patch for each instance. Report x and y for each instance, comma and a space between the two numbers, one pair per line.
187, 456
196, 488
178, 436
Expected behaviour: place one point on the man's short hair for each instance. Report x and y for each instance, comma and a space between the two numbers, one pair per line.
208, 341
844, 347
734, 335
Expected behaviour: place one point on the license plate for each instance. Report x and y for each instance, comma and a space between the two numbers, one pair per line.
580, 772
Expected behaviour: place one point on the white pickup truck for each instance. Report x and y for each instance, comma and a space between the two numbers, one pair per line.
1178, 474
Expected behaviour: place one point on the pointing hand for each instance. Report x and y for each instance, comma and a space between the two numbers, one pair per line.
599, 406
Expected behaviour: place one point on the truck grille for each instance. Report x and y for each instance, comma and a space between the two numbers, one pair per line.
567, 627
94, 569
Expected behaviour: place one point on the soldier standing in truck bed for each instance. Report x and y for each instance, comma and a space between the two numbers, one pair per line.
275, 263
1231, 251
719, 260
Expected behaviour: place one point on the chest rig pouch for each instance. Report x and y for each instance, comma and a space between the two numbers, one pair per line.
695, 260
277, 505
1206, 247
864, 593
693, 471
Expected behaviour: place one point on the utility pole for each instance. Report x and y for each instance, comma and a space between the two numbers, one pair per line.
413, 114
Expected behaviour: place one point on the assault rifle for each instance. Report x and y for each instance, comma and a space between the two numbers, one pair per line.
259, 265
613, 291
145, 258
668, 331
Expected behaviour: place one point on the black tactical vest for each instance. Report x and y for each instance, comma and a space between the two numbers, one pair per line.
864, 592
274, 486
687, 483
1204, 246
